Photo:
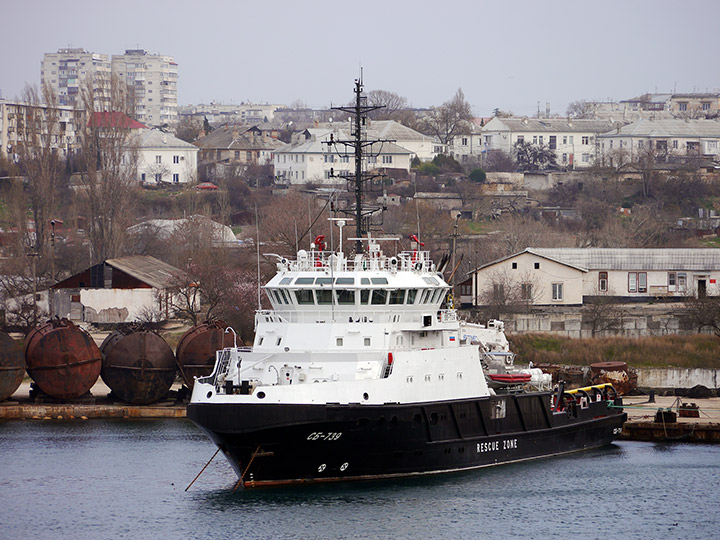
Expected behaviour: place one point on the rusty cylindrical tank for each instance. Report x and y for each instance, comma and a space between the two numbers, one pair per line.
138, 365
196, 349
623, 379
62, 359
12, 366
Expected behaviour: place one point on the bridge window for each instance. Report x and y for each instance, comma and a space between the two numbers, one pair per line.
365, 296
346, 297
379, 281
286, 294
345, 281
412, 293
324, 296
304, 297
397, 297
324, 281
379, 296
304, 281
286, 281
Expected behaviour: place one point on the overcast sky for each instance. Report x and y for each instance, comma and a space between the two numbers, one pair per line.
507, 54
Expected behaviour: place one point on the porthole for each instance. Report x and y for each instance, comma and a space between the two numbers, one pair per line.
366, 396
209, 394
261, 395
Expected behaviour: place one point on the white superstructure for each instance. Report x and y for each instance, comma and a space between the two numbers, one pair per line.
368, 329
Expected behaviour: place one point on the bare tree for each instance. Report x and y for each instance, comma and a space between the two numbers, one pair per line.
189, 128
390, 102
580, 109
506, 293
109, 158
602, 314
449, 120
40, 161
498, 161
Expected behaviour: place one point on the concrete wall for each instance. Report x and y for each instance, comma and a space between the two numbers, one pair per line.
116, 305
572, 325
678, 378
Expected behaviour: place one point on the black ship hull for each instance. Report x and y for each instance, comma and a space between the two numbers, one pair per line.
272, 444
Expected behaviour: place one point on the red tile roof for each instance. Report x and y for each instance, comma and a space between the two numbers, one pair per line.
114, 119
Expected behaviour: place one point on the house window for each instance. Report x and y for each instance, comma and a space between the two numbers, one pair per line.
464, 141
557, 292
534, 139
176, 178
682, 105
603, 281
526, 291
520, 138
329, 158
537, 266
344, 159
681, 281
640, 144
158, 177
372, 159
514, 266
706, 106
586, 140
158, 159
637, 282
142, 177
248, 156
540, 139
586, 158
564, 158
571, 139
564, 139
387, 159
237, 154
176, 159
672, 281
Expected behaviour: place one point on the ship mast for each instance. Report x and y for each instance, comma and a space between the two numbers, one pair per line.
361, 180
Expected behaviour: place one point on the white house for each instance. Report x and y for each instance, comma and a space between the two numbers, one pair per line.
574, 141
572, 276
163, 158
424, 147
667, 136
312, 159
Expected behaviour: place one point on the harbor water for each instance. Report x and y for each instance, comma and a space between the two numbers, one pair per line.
127, 479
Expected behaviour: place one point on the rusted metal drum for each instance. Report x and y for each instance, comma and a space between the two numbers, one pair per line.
12, 366
138, 366
617, 373
62, 359
196, 349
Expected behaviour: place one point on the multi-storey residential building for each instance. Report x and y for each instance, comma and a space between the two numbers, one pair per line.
154, 78
239, 145
220, 113
574, 141
661, 138
68, 71
311, 159
163, 158
18, 118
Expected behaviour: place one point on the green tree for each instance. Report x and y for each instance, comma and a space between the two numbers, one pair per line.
477, 175
533, 157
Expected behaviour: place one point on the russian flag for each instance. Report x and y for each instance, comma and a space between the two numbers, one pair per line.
452, 338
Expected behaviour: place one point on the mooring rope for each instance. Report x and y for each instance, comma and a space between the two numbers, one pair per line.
203, 469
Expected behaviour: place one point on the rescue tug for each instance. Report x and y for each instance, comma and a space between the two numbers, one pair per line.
361, 371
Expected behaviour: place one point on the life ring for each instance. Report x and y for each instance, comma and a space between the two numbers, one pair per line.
418, 266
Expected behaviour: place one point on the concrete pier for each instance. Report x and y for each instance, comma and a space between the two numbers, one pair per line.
20, 407
641, 424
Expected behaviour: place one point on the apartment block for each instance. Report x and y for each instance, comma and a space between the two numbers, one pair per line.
60, 127
68, 71
154, 79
